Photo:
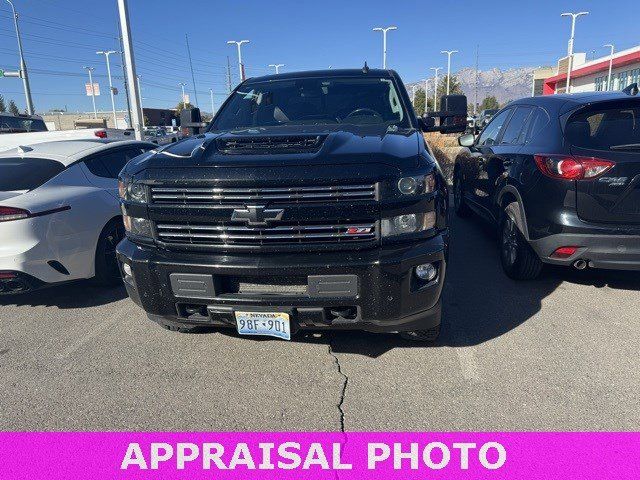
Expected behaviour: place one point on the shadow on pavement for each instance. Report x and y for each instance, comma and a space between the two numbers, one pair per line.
77, 294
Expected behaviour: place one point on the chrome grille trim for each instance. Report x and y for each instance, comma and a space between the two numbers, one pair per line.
164, 195
229, 235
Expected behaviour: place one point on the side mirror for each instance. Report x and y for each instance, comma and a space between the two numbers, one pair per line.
426, 123
467, 140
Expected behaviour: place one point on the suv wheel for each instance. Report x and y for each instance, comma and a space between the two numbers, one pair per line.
461, 208
519, 261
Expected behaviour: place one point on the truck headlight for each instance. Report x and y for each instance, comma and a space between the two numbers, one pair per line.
417, 185
132, 191
408, 223
140, 227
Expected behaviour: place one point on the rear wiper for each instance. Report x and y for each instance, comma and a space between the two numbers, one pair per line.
628, 146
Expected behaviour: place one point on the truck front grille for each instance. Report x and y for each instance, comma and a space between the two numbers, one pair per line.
239, 196
231, 235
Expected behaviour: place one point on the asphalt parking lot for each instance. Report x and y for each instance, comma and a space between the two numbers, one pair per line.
559, 353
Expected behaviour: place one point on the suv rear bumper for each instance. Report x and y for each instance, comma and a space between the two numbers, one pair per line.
614, 252
388, 298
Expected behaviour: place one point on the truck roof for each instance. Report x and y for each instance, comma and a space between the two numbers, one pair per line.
348, 72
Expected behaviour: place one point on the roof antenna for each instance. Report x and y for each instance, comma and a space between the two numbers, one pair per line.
631, 89
365, 69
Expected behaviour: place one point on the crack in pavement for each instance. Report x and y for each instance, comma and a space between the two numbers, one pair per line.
344, 384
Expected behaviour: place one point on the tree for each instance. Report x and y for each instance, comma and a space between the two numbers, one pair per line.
454, 88
490, 103
3, 107
418, 106
181, 106
13, 108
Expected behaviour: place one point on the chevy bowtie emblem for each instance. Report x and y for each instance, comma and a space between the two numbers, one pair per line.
257, 215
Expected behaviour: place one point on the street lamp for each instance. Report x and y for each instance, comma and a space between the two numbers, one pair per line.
449, 53
240, 65
213, 108
93, 90
106, 54
277, 66
23, 65
426, 89
574, 17
384, 42
435, 88
610, 45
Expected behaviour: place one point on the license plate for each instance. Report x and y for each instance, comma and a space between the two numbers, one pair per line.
271, 324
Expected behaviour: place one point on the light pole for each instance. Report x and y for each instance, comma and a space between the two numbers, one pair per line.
93, 90
106, 54
184, 99
435, 88
426, 89
384, 31
277, 66
23, 66
130, 68
240, 65
610, 45
213, 108
413, 96
141, 107
574, 17
449, 53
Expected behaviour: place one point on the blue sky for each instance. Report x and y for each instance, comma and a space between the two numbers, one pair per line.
61, 36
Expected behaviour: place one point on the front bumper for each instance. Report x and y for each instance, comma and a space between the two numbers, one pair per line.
389, 297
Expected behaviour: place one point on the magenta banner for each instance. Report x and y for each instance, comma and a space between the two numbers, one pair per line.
320, 456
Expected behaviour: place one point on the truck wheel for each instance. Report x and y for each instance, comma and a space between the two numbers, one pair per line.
461, 208
519, 261
106, 265
424, 336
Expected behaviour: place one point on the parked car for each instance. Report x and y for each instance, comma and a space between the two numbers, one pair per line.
560, 176
483, 118
160, 136
60, 217
17, 130
311, 203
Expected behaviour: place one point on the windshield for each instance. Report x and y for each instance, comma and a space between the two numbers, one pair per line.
314, 101
21, 125
18, 174
605, 128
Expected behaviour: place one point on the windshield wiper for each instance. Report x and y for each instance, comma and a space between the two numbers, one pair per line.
628, 146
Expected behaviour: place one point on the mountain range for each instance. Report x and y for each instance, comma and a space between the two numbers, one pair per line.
505, 85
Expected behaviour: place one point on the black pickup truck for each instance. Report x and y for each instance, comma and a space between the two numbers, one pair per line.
311, 202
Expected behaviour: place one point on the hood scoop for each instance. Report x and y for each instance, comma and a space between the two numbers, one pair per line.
267, 145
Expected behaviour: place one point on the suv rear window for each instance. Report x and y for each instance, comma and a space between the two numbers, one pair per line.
9, 124
604, 128
26, 173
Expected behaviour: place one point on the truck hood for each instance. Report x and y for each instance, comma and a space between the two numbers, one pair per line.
337, 145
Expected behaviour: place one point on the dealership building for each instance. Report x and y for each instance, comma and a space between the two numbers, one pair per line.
592, 75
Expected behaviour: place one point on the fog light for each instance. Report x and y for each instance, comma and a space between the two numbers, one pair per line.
126, 268
426, 272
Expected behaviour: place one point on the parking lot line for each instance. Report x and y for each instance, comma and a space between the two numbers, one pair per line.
467, 360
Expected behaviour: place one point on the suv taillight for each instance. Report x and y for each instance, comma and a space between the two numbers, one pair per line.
100, 134
9, 213
568, 167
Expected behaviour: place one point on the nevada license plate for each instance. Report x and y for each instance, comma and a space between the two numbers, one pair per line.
272, 324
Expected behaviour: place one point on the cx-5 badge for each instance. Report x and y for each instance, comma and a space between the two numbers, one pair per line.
257, 215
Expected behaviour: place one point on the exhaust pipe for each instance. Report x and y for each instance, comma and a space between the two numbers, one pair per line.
14, 286
580, 264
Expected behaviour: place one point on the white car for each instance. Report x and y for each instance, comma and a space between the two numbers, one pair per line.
60, 216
